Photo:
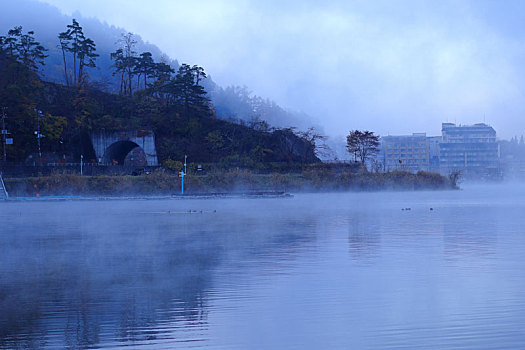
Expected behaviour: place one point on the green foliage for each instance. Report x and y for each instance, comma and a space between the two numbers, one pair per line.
23, 48
82, 50
174, 106
144, 68
53, 127
129, 66
19, 91
174, 165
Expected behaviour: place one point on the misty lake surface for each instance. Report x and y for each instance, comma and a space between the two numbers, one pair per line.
317, 271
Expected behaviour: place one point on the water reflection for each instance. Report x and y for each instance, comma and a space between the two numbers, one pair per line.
80, 280
466, 238
364, 238
318, 271
97, 279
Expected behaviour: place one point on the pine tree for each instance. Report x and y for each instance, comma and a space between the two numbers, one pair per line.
119, 65
64, 39
23, 48
188, 91
31, 52
86, 57
125, 62
77, 37
83, 50
144, 67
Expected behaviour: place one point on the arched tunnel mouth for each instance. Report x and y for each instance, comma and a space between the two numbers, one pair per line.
125, 152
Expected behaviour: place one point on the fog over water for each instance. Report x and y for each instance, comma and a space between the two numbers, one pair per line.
340, 270
347, 270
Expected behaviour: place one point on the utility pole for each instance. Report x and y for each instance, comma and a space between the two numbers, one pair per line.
4, 132
38, 134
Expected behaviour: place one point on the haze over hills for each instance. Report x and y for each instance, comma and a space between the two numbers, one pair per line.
390, 67
233, 103
46, 21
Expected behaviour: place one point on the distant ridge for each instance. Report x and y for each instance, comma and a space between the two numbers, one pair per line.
47, 21
233, 103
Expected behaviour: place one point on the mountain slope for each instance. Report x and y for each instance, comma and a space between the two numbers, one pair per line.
232, 103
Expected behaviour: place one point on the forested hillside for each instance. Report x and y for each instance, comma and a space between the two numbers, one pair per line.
237, 104
150, 94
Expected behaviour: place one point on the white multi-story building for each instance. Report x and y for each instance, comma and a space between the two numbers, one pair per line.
470, 148
407, 152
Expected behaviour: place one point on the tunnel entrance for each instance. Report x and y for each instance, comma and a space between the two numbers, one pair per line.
125, 152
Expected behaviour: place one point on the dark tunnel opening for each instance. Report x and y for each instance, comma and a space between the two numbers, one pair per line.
116, 153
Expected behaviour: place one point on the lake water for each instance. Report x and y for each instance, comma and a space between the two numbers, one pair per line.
317, 271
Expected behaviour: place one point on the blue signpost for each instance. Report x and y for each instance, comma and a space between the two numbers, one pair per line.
181, 174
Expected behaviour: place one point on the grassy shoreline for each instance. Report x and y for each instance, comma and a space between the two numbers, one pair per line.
165, 183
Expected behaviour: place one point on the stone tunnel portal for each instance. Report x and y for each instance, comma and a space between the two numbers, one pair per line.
125, 147
125, 152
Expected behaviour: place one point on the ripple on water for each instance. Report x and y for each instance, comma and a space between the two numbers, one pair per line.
345, 270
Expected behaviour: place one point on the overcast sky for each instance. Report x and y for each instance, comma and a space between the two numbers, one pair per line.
394, 67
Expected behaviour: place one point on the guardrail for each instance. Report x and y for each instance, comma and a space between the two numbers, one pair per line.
3, 190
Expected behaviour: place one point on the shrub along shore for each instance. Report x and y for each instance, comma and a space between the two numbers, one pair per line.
231, 181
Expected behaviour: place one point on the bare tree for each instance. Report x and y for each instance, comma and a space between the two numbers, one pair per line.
125, 62
315, 141
128, 43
